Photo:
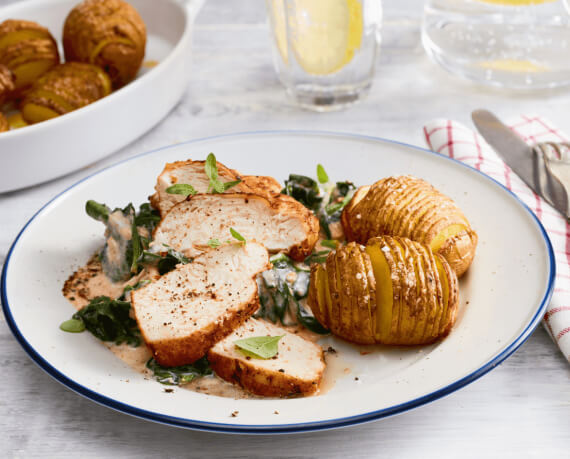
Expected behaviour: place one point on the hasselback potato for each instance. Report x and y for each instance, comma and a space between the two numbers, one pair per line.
4, 126
7, 85
393, 291
107, 33
410, 207
63, 89
28, 50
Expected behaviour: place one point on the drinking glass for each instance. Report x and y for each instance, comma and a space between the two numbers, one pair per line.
324, 51
520, 44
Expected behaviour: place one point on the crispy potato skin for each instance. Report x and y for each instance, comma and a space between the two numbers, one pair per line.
28, 52
65, 88
7, 84
418, 313
410, 207
4, 126
107, 33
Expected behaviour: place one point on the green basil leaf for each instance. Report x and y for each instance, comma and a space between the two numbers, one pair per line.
211, 168
217, 186
330, 243
228, 185
97, 210
175, 376
72, 326
214, 243
322, 176
261, 347
236, 235
182, 188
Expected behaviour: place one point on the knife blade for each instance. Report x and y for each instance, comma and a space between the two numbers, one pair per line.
521, 158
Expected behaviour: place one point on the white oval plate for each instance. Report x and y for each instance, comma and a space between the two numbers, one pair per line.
507, 288
43, 151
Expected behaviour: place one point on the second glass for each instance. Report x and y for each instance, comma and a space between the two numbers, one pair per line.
324, 51
519, 44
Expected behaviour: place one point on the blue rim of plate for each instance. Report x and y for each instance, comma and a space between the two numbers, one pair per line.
285, 428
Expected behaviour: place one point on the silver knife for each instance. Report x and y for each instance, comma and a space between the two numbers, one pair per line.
522, 159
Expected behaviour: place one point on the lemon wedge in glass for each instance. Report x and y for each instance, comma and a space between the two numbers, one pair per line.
324, 34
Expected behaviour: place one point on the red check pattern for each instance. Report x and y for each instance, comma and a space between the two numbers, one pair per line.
457, 141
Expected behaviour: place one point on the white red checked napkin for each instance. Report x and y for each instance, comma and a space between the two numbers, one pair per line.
457, 141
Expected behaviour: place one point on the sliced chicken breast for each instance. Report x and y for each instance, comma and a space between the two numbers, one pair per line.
192, 173
296, 369
279, 223
189, 309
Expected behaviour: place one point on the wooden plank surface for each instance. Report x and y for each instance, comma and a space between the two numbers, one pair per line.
520, 409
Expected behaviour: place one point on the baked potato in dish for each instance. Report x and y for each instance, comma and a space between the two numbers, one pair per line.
4, 125
63, 89
391, 291
107, 33
410, 207
28, 50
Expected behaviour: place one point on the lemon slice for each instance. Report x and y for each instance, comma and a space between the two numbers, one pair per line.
324, 34
510, 65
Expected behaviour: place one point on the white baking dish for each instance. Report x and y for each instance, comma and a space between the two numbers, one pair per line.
41, 152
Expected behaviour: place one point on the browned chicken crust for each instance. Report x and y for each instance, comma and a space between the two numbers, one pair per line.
192, 173
280, 223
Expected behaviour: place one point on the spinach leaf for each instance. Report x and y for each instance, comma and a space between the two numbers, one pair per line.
175, 376
280, 290
165, 261
317, 257
147, 217
305, 190
109, 320
340, 196
126, 237
308, 321
97, 210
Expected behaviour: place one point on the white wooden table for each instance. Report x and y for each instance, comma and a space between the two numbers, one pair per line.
521, 409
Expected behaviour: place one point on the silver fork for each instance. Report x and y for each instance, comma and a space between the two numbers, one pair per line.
552, 163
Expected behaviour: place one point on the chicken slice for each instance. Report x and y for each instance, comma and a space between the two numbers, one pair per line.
189, 309
192, 173
296, 369
280, 223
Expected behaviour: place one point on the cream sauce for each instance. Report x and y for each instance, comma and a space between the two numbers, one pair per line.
89, 281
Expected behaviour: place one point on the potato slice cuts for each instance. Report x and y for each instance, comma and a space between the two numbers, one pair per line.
279, 223
186, 311
192, 173
411, 294
297, 369
410, 207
